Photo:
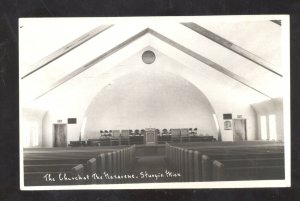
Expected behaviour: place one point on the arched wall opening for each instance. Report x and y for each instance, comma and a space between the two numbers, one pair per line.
147, 98
214, 85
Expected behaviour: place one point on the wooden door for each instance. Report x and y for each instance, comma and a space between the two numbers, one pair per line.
60, 135
239, 130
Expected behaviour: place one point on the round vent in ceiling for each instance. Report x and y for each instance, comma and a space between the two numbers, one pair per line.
148, 57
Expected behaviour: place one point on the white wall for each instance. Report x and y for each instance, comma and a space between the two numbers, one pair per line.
225, 106
273, 106
149, 98
83, 96
71, 99
61, 113
29, 116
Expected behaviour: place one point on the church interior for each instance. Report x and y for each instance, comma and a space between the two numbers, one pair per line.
151, 101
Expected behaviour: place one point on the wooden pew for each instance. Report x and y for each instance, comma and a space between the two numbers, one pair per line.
33, 161
39, 178
101, 165
235, 154
48, 167
41, 174
36, 169
93, 142
201, 139
136, 139
91, 168
165, 138
78, 172
77, 143
199, 166
56, 159
230, 171
239, 159
65, 154
105, 141
226, 143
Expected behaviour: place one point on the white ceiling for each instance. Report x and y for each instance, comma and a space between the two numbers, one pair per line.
39, 38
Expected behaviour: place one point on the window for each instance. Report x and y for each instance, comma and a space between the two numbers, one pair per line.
263, 128
272, 127
268, 127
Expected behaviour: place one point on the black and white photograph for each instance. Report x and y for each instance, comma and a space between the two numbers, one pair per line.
154, 102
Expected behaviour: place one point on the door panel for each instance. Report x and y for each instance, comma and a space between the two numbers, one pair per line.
239, 130
60, 135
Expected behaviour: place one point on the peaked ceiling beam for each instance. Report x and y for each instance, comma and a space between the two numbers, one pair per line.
278, 22
231, 46
66, 48
206, 61
95, 61
164, 39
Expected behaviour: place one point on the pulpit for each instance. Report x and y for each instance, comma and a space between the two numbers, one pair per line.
150, 136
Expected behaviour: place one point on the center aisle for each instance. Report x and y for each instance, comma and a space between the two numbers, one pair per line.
152, 169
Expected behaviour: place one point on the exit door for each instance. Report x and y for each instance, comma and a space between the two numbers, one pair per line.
239, 130
60, 135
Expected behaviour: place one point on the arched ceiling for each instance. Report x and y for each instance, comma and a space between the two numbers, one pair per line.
204, 51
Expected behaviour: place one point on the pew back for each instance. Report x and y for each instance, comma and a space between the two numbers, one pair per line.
201, 161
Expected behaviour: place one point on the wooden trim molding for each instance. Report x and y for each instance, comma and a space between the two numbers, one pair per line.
206, 61
95, 61
231, 46
65, 49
